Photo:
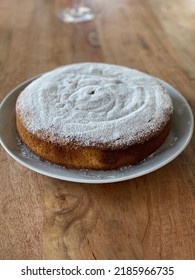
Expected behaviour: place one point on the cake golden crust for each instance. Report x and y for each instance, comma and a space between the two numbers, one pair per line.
81, 157
94, 116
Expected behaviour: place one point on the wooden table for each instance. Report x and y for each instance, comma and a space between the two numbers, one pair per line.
150, 217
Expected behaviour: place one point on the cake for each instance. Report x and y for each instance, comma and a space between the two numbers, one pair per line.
94, 116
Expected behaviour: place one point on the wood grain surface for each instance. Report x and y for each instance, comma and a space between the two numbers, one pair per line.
151, 217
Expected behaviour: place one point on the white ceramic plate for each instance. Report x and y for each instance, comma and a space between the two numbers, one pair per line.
180, 135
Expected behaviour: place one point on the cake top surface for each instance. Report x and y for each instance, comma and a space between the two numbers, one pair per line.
94, 104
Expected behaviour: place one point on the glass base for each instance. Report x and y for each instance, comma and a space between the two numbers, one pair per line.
71, 15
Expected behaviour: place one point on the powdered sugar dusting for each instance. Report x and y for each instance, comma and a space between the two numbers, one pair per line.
95, 104
24, 151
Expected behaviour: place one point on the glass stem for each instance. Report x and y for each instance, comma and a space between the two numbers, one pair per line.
76, 5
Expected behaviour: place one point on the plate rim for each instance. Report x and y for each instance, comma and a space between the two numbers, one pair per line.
88, 180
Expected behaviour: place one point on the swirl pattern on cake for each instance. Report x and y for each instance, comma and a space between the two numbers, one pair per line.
94, 104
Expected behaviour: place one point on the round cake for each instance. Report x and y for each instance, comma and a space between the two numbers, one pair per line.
94, 116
